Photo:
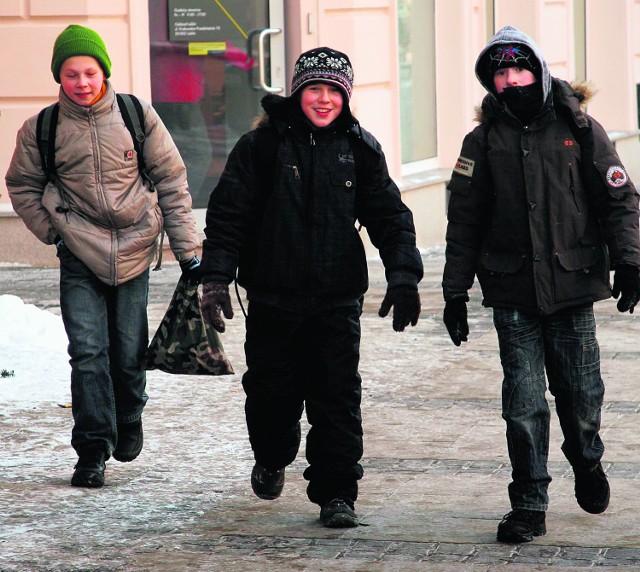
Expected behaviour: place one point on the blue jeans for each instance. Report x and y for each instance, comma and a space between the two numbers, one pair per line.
564, 344
108, 336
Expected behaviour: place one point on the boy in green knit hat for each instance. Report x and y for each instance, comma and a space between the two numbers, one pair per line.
79, 41
104, 221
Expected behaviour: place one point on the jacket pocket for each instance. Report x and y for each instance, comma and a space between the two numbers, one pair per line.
583, 274
343, 182
578, 259
339, 200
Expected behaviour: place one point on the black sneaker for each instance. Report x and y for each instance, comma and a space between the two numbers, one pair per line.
267, 484
521, 525
592, 490
338, 513
89, 471
130, 440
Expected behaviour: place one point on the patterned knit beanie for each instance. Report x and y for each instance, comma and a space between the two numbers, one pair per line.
323, 65
79, 41
512, 56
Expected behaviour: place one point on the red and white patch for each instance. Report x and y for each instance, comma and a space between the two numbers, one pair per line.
617, 176
128, 155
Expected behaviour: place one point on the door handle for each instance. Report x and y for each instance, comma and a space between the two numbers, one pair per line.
261, 60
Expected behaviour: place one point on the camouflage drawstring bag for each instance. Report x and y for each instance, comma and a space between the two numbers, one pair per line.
184, 343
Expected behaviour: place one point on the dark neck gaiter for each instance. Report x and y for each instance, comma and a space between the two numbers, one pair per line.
524, 102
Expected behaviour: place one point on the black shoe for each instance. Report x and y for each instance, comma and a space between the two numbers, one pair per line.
267, 484
338, 513
521, 526
130, 440
592, 490
89, 471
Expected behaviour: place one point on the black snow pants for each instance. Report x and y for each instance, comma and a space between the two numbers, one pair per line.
296, 361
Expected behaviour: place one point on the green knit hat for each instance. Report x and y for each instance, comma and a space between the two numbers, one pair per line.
79, 41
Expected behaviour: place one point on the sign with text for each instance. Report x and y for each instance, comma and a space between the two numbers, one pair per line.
197, 21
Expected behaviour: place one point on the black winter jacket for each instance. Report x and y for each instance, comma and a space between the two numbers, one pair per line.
284, 213
540, 212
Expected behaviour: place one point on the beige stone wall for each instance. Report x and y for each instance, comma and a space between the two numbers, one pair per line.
367, 31
28, 29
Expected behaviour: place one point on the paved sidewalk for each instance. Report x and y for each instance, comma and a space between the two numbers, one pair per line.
436, 465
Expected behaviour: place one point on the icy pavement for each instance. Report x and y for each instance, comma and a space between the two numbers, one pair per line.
436, 466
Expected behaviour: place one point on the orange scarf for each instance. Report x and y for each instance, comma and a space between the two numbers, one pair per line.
103, 90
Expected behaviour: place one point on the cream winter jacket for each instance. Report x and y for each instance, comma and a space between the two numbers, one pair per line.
104, 212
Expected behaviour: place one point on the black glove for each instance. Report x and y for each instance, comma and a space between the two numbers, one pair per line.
406, 306
191, 268
626, 281
215, 299
455, 318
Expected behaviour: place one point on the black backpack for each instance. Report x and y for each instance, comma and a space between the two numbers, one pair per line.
133, 117
132, 114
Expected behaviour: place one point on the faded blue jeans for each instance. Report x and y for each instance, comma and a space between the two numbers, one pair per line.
564, 344
108, 336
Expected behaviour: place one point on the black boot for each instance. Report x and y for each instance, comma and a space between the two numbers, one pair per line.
521, 525
267, 484
89, 470
130, 440
338, 513
592, 490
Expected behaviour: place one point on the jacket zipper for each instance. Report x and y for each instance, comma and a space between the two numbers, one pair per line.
573, 188
296, 172
309, 197
309, 210
103, 199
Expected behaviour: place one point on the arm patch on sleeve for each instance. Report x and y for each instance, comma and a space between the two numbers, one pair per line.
464, 166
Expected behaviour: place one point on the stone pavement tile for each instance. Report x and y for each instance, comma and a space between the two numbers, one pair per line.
260, 563
615, 331
621, 438
621, 377
448, 431
621, 380
434, 508
567, 523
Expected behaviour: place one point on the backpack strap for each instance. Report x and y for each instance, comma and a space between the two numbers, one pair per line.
133, 117
46, 138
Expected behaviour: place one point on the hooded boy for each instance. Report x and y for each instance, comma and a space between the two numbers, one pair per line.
541, 210
283, 215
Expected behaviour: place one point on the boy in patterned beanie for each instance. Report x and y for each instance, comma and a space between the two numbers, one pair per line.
283, 216
323, 65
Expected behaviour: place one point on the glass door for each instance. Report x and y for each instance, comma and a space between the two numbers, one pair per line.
212, 61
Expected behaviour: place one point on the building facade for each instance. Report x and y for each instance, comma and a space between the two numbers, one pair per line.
205, 65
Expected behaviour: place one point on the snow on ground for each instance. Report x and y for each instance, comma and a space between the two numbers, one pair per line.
33, 345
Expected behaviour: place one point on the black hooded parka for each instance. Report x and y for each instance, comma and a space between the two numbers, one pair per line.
540, 212
285, 210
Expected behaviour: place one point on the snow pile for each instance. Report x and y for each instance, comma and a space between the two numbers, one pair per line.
33, 346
